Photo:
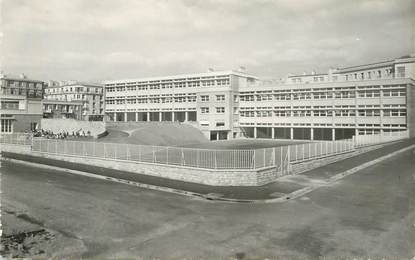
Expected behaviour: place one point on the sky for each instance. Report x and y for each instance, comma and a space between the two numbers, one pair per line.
96, 40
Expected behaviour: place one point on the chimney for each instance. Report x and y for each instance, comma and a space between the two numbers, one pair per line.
22, 76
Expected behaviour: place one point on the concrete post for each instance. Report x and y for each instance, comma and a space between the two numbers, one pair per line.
125, 116
272, 132
136, 116
291, 133
172, 116
255, 132
333, 134
311, 133
115, 117
148, 116
186, 116
160, 116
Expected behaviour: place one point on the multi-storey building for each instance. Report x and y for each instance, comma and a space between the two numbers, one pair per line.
207, 99
62, 109
364, 99
21, 103
91, 96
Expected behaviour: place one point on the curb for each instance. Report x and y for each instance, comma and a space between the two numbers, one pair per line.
208, 197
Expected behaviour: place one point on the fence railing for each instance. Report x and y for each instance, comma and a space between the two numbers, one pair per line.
278, 157
16, 138
366, 140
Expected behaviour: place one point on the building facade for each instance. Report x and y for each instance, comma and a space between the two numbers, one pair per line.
206, 99
21, 103
365, 99
62, 109
90, 95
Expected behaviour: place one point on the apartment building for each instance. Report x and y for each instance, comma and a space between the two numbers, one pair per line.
365, 99
90, 94
206, 99
62, 109
21, 103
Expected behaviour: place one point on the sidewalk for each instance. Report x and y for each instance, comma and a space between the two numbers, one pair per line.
281, 188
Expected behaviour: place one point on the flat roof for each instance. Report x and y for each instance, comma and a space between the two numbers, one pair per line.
16, 78
184, 76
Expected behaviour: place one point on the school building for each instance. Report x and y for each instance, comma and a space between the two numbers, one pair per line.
365, 99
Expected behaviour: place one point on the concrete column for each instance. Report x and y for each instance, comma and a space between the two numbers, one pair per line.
172, 116
160, 116
291, 133
115, 117
186, 116
125, 116
136, 116
333, 134
272, 132
255, 132
311, 133
356, 132
148, 116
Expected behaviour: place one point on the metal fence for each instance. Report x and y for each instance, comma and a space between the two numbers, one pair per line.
278, 157
366, 140
16, 138
200, 158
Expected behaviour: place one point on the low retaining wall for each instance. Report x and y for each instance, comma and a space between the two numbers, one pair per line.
180, 173
251, 177
96, 128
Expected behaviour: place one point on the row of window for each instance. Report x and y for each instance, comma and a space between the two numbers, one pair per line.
325, 95
73, 89
30, 93
10, 105
205, 83
181, 99
21, 84
325, 113
205, 110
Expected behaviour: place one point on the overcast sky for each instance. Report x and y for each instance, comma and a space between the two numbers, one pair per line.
94, 40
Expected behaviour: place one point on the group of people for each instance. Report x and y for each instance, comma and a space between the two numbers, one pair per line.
60, 135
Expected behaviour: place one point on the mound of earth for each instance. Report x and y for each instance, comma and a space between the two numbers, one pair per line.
168, 134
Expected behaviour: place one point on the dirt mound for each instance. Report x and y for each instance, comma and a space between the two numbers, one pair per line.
168, 134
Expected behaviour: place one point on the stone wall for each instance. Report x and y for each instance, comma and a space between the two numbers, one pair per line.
186, 174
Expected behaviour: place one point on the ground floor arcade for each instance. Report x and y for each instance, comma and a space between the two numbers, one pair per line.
159, 116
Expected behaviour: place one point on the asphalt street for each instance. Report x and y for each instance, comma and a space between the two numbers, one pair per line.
368, 214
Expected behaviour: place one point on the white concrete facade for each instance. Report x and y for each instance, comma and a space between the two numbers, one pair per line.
364, 99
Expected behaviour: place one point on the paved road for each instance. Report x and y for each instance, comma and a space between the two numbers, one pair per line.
370, 213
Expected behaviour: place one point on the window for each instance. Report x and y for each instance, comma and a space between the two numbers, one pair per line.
220, 97
204, 98
10, 105
220, 124
33, 126
204, 110
6, 125
220, 110
401, 71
